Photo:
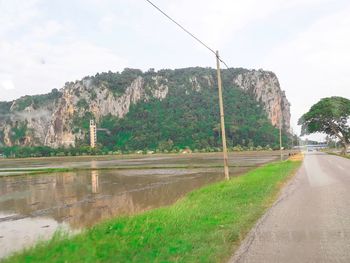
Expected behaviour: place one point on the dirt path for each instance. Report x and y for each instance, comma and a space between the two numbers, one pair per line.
311, 220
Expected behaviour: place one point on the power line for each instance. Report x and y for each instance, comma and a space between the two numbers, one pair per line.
183, 28
221, 105
189, 33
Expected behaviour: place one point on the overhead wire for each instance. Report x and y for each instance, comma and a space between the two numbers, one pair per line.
223, 137
189, 33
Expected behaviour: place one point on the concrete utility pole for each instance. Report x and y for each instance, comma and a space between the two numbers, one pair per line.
222, 119
281, 136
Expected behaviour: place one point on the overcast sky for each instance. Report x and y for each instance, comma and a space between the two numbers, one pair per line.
306, 43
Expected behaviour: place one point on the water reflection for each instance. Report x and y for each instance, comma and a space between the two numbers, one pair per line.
94, 181
81, 199
85, 198
25, 232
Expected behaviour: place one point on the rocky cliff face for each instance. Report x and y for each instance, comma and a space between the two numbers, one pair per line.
57, 119
264, 86
99, 100
26, 126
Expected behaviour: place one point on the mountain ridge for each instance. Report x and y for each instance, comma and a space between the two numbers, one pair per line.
59, 118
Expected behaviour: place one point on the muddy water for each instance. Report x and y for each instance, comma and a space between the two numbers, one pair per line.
135, 161
33, 207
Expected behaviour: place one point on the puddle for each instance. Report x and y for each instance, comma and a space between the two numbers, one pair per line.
25, 232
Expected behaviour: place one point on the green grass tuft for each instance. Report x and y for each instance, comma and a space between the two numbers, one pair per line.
205, 226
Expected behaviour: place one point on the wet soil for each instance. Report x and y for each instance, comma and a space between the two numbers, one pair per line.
33, 207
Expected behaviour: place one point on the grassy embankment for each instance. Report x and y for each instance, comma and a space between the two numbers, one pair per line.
205, 226
340, 155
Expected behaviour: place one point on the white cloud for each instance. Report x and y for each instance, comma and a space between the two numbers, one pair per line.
7, 85
108, 22
219, 21
316, 63
50, 28
46, 55
41, 67
16, 14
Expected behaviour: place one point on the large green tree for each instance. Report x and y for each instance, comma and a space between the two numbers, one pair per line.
330, 116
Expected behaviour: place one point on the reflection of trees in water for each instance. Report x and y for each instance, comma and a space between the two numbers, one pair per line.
82, 199
126, 200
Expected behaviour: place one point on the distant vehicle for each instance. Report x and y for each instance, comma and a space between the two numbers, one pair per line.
315, 147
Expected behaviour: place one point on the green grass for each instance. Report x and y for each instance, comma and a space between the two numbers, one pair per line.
340, 155
205, 226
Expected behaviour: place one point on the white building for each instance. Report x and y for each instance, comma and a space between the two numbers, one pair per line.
93, 136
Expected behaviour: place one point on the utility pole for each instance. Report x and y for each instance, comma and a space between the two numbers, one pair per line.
222, 119
281, 137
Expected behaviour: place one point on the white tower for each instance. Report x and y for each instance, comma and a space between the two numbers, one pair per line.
93, 136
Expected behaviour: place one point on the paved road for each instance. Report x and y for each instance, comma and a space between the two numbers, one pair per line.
311, 220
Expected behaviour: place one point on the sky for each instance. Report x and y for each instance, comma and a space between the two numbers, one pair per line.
44, 44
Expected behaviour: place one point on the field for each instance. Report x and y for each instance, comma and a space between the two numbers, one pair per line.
204, 226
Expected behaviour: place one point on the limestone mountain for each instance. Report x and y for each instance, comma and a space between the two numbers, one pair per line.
150, 110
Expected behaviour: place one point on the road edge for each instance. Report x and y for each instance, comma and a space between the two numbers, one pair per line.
286, 190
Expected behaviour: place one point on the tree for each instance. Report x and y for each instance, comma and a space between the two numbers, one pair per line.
330, 116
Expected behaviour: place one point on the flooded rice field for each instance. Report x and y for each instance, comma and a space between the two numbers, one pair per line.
33, 207
137, 161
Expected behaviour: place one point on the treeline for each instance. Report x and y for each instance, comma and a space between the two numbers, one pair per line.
45, 151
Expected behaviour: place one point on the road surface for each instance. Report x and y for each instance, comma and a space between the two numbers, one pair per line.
310, 222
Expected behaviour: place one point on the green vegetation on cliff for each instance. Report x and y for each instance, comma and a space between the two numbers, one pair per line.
37, 101
185, 116
117, 82
4, 108
189, 116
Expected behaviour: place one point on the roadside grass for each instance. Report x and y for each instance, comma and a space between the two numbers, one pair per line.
207, 225
340, 155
